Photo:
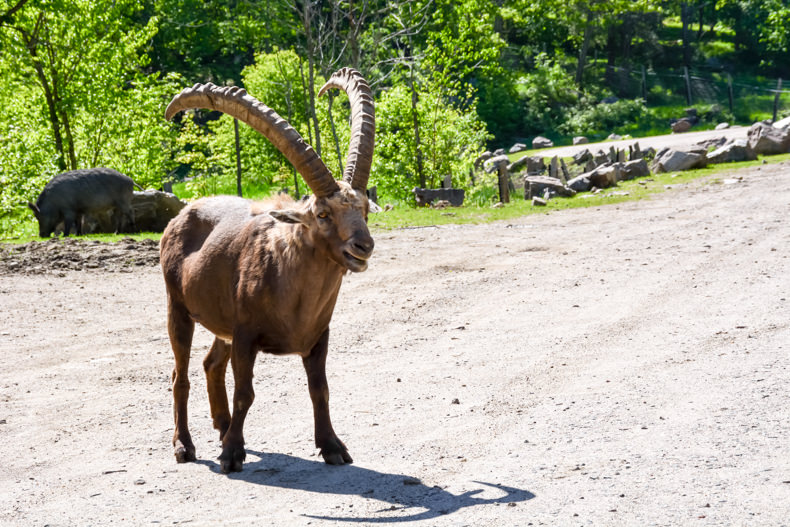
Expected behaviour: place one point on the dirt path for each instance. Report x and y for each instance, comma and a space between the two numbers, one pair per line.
623, 365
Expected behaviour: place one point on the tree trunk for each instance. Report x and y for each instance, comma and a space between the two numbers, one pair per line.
307, 18
416, 123
685, 17
584, 48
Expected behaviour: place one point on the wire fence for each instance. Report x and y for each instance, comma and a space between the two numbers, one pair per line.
745, 97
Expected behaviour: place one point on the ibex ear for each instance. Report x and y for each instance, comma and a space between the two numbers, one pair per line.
289, 216
34, 208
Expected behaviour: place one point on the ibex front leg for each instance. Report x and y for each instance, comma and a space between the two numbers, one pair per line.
332, 448
180, 328
242, 360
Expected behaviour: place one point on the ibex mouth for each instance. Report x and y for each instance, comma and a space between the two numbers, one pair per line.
355, 263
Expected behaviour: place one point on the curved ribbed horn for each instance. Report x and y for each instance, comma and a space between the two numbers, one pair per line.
363, 125
237, 103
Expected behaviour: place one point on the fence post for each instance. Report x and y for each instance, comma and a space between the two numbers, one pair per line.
688, 84
238, 157
776, 97
729, 90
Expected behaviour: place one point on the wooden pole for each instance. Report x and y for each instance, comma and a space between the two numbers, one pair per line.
504, 189
729, 90
688, 84
238, 157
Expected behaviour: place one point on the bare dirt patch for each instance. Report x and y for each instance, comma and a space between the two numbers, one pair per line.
73, 254
622, 365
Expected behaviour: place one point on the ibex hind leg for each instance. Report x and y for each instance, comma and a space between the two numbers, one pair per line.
215, 365
181, 328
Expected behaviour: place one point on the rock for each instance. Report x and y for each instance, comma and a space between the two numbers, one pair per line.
499, 151
601, 158
440, 204
542, 142
580, 183
722, 126
580, 140
154, 209
634, 169
582, 157
738, 150
614, 137
538, 202
537, 185
493, 163
680, 126
767, 140
482, 157
426, 196
671, 160
782, 123
610, 100
518, 147
716, 142
606, 176
533, 165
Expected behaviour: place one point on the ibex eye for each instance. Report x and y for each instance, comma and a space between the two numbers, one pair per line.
323, 215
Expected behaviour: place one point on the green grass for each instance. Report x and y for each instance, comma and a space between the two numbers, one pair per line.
405, 217
518, 207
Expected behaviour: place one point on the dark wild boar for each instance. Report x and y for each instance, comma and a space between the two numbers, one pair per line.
71, 195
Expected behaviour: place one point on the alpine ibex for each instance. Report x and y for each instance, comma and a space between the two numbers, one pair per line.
264, 276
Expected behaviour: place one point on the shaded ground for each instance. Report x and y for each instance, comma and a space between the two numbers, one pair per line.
621, 365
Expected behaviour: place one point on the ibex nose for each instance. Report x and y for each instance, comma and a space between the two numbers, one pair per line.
363, 243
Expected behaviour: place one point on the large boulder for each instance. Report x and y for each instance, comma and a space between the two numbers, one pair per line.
605, 176
542, 142
738, 150
580, 183
674, 160
764, 139
154, 209
518, 147
580, 140
782, 123
634, 169
538, 185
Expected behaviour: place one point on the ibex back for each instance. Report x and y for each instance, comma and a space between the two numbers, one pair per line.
264, 276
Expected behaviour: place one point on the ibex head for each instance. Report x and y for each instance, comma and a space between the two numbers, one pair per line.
336, 216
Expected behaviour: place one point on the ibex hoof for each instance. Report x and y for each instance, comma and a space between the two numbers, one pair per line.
184, 453
231, 459
334, 452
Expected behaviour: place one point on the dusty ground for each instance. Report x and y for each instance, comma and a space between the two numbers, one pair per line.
623, 365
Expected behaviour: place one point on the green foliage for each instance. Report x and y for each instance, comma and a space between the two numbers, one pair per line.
546, 92
450, 142
596, 121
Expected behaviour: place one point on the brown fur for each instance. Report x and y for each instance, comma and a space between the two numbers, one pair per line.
261, 276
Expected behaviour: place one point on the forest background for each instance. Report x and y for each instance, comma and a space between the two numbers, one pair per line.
85, 83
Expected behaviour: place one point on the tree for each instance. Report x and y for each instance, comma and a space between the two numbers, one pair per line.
75, 65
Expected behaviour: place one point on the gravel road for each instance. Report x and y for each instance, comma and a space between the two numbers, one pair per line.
619, 365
